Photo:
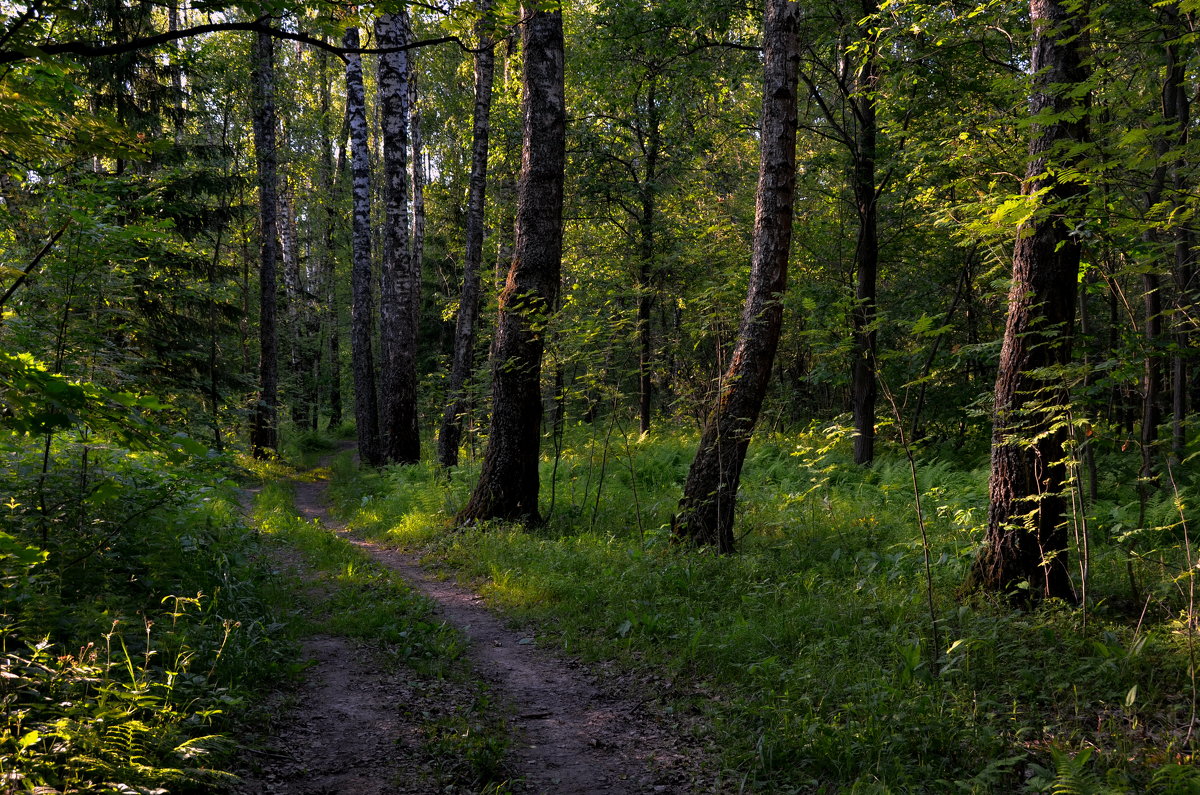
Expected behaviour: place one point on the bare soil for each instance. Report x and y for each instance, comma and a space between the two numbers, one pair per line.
354, 729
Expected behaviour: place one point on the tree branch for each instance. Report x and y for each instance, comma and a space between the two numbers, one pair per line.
90, 49
29, 268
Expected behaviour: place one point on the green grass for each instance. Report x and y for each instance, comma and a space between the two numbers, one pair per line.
808, 654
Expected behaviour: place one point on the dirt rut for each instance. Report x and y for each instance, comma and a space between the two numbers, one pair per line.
575, 732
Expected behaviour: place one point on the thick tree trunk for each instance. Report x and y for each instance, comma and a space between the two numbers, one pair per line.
1026, 539
707, 508
400, 275
450, 435
264, 423
362, 310
866, 254
508, 484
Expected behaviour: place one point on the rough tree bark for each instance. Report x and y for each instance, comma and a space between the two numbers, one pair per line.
400, 275
450, 435
866, 253
264, 424
508, 485
707, 508
362, 304
1026, 538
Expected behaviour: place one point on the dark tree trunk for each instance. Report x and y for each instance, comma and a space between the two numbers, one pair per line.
329, 178
418, 184
645, 300
400, 279
508, 484
1026, 539
264, 424
296, 309
1177, 110
707, 508
176, 70
1152, 325
362, 310
866, 253
450, 436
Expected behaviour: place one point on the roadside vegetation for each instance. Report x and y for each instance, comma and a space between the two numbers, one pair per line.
138, 634
141, 656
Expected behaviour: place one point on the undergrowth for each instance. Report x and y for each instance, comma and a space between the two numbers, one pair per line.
135, 624
807, 653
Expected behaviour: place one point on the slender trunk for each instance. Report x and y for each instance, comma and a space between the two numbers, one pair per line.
328, 261
176, 69
362, 310
295, 310
1026, 540
1151, 376
1151, 334
707, 508
1177, 110
1089, 449
400, 273
646, 274
508, 484
418, 182
866, 254
450, 436
263, 429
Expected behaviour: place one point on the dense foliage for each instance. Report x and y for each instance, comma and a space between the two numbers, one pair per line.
132, 337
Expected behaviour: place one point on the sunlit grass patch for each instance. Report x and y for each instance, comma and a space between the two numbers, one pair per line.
359, 598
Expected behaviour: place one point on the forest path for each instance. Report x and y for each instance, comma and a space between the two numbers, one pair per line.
574, 732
